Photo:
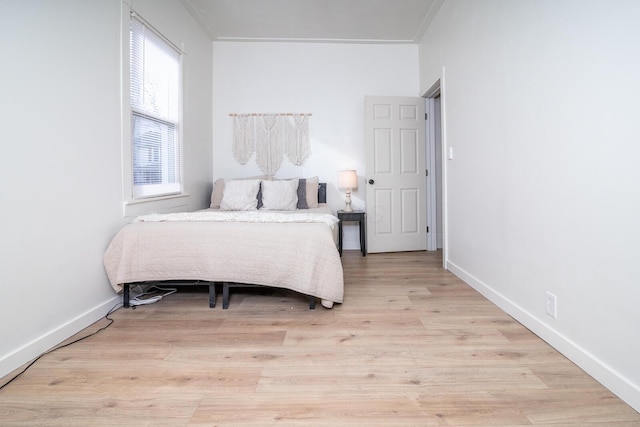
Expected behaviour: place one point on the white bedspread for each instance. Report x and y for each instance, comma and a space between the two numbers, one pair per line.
300, 256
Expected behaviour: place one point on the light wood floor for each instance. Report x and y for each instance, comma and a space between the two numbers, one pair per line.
411, 346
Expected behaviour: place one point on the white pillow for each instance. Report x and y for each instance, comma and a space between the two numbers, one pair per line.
280, 195
240, 195
218, 190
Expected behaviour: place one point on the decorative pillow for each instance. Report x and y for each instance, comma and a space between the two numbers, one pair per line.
240, 195
280, 195
216, 194
302, 194
312, 192
218, 191
259, 196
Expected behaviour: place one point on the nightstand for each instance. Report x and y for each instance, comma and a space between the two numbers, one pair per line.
355, 216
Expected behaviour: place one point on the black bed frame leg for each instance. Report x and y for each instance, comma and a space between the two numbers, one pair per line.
125, 295
212, 294
312, 303
225, 295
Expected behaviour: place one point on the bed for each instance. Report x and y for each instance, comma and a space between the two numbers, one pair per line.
292, 248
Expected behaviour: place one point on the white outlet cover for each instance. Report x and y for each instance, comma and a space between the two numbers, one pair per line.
551, 304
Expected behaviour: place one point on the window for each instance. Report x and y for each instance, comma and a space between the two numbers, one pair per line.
156, 113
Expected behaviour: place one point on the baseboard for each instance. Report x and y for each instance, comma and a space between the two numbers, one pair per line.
33, 349
604, 374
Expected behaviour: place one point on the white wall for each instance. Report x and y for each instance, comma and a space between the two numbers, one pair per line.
328, 80
61, 164
540, 105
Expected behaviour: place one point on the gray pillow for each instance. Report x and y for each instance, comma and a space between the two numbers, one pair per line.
302, 194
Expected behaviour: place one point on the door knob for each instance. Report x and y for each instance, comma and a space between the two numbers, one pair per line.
371, 181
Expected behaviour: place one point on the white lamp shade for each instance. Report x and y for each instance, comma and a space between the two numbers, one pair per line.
348, 179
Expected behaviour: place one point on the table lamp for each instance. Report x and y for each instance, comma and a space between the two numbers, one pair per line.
348, 179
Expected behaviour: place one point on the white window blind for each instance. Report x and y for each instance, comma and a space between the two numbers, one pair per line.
156, 113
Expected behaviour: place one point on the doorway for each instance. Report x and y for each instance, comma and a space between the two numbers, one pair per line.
433, 108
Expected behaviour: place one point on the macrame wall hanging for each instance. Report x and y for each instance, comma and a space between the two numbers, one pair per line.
271, 136
244, 140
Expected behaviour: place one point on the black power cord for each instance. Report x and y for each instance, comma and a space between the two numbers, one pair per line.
63, 346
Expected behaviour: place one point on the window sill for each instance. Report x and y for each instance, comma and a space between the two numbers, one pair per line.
164, 204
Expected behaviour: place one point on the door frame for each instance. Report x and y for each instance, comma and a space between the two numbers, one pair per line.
436, 89
430, 162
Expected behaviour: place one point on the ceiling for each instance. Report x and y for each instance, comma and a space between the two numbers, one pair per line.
348, 21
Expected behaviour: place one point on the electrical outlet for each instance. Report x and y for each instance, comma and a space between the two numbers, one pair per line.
551, 306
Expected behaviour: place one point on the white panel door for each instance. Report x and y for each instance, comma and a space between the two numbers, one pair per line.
396, 181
